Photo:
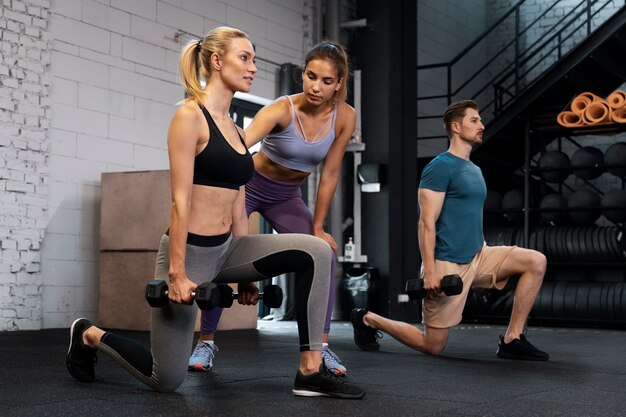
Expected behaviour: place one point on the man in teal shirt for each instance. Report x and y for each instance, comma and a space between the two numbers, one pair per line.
451, 197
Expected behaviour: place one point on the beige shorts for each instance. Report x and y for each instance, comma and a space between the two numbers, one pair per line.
443, 312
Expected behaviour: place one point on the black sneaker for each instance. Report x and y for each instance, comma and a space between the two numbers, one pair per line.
520, 349
365, 337
325, 384
81, 359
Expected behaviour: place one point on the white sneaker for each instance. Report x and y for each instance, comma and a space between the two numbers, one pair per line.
332, 362
201, 359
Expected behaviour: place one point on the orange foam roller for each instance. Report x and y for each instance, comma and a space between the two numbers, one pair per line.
597, 112
619, 115
616, 99
582, 101
569, 119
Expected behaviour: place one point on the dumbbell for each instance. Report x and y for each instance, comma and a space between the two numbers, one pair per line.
450, 285
272, 296
206, 295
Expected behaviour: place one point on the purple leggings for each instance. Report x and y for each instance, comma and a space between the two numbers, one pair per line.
281, 205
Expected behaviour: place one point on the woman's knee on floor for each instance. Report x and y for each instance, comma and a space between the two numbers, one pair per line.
168, 382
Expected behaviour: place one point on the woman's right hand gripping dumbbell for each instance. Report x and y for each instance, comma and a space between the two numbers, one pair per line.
181, 288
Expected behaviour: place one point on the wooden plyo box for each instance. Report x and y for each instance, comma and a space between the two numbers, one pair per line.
135, 212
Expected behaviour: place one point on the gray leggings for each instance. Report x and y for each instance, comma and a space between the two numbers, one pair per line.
240, 259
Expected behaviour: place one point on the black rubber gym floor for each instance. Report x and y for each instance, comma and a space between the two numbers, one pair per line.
254, 371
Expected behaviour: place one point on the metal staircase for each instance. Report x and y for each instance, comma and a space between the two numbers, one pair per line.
534, 77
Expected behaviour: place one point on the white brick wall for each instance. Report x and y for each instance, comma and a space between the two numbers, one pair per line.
112, 95
86, 87
24, 173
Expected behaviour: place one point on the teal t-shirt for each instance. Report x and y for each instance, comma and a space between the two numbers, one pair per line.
459, 227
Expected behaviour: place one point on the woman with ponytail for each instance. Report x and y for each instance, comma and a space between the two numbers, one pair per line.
207, 239
299, 132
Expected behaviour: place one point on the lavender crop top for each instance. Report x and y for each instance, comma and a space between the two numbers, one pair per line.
289, 149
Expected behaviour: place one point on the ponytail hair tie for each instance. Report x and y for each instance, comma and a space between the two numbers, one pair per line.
199, 46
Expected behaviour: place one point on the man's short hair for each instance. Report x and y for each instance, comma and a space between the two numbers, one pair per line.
455, 113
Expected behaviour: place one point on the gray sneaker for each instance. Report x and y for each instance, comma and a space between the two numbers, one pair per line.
332, 362
201, 359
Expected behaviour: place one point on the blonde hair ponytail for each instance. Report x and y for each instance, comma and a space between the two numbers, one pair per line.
189, 65
196, 58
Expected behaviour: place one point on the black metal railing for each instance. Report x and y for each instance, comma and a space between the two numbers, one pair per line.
513, 66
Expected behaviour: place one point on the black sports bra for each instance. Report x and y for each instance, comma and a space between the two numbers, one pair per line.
219, 164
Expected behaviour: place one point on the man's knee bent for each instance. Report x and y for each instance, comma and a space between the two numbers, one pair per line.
538, 264
435, 340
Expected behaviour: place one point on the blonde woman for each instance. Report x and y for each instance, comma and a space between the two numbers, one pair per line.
207, 241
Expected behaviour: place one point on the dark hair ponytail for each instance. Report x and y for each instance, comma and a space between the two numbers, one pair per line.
336, 54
